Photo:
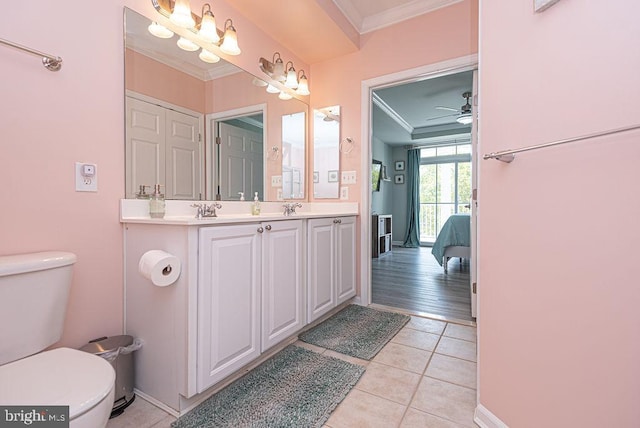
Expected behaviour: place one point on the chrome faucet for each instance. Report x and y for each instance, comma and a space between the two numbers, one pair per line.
290, 208
205, 210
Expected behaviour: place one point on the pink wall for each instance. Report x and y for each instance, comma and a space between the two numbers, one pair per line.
155, 79
559, 317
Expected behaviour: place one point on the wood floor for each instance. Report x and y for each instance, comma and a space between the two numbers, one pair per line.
412, 279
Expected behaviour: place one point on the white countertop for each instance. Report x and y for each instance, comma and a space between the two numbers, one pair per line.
181, 212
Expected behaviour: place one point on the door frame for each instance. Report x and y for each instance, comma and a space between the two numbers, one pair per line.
212, 131
456, 65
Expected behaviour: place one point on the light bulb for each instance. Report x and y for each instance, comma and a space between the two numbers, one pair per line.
292, 78
208, 56
160, 31
187, 45
181, 14
284, 95
303, 86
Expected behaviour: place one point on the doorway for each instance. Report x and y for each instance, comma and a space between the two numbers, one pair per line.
440, 135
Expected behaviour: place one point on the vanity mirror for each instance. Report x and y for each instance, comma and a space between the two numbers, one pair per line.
326, 152
177, 103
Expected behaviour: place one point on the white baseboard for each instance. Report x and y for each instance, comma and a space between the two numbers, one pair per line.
485, 419
156, 403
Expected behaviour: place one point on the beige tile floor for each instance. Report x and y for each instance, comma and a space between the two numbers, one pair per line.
424, 377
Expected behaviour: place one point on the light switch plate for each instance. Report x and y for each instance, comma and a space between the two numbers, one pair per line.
276, 181
344, 193
86, 177
348, 177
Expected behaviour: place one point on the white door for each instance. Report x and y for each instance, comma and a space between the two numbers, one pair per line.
474, 202
229, 267
183, 150
241, 162
320, 267
145, 145
345, 231
282, 287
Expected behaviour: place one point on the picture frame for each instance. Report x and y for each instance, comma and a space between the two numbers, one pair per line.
332, 176
316, 177
399, 166
398, 179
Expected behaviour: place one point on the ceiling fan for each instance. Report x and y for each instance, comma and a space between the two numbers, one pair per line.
463, 113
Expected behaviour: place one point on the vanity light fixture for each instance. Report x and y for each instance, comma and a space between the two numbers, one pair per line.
208, 30
303, 84
292, 77
275, 69
187, 45
259, 82
230, 40
160, 31
179, 13
285, 95
208, 56
272, 89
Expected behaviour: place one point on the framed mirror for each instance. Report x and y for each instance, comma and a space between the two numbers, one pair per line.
326, 152
177, 104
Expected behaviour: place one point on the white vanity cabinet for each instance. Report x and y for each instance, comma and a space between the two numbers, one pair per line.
331, 264
250, 294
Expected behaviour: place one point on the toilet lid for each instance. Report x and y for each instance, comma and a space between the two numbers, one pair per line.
61, 377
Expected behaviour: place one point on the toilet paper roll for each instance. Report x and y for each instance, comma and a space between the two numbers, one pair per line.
160, 267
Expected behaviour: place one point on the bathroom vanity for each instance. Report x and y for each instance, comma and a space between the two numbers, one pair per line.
247, 284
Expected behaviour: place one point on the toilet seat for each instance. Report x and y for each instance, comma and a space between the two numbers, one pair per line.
61, 376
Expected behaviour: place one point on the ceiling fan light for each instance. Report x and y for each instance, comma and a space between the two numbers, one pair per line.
160, 31
187, 45
465, 119
181, 14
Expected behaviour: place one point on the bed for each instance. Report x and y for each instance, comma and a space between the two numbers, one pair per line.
454, 240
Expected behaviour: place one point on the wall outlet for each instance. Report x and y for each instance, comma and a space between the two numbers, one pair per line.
276, 181
86, 177
348, 177
344, 193
279, 194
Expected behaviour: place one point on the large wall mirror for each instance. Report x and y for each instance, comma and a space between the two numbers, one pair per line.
205, 130
326, 152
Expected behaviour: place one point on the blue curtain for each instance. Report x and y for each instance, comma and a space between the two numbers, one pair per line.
412, 240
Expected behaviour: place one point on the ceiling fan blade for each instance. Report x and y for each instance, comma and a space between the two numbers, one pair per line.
446, 108
441, 117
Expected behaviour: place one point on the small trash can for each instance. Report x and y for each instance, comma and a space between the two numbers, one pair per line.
118, 350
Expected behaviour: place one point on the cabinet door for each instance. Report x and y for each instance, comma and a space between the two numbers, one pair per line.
282, 291
320, 267
228, 301
345, 231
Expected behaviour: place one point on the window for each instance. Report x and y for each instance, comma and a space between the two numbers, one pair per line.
445, 187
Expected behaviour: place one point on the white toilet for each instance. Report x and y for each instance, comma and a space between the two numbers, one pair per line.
33, 301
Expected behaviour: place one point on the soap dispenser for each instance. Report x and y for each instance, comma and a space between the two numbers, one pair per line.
156, 203
255, 207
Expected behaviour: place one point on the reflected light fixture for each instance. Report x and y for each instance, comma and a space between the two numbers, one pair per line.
208, 30
465, 116
187, 45
292, 77
272, 89
259, 82
181, 14
204, 28
208, 56
230, 39
303, 84
278, 68
285, 95
160, 31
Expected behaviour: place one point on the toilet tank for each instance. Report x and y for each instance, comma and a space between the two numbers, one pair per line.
34, 289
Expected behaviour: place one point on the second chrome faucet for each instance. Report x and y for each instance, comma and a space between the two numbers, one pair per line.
205, 210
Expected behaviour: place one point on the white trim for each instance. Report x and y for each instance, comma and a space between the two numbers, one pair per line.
375, 98
456, 65
209, 153
402, 13
485, 419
